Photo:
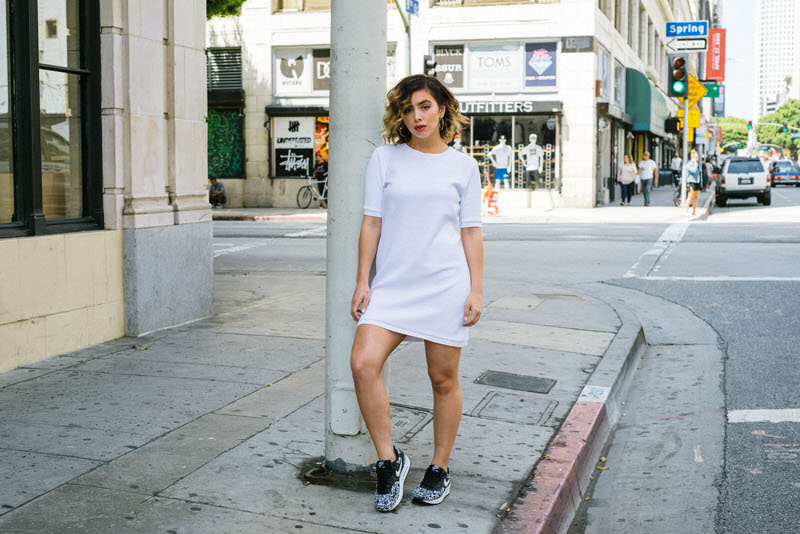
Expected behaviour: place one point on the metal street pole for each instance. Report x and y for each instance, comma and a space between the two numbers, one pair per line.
407, 24
358, 90
685, 147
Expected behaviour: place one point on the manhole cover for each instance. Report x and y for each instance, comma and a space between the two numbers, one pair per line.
533, 384
515, 408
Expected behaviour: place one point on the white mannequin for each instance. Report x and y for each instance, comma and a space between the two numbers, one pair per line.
502, 157
457, 144
532, 155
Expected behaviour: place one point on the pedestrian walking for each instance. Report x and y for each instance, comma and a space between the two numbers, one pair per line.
709, 168
422, 219
647, 175
693, 182
626, 175
675, 165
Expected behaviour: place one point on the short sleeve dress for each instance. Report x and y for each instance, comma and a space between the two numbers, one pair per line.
422, 280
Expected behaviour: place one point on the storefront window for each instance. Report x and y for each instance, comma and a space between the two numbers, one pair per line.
60, 110
50, 123
523, 147
60, 129
6, 139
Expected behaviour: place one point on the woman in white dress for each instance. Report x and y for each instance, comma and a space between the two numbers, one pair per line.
422, 227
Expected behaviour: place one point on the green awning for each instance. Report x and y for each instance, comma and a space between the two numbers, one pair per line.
645, 104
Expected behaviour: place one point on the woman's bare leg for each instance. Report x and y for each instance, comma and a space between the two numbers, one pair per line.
371, 347
443, 372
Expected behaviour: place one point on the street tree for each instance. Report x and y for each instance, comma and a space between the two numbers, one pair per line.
789, 114
223, 8
734, 130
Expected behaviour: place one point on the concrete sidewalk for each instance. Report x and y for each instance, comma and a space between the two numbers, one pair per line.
210, 427
661, 210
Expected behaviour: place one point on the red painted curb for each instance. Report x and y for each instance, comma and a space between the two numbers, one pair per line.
549, 500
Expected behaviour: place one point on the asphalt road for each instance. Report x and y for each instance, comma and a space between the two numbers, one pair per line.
738, 273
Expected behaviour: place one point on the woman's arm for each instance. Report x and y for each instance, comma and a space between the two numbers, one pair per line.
472, 238
367, 248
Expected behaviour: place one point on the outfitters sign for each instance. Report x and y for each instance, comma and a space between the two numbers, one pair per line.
450, 65
540, 64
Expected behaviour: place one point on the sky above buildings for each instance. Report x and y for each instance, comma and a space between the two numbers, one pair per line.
738, 18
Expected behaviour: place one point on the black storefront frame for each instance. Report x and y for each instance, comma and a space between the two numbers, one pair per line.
25, 122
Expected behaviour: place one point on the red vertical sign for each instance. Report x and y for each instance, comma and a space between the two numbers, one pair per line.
715, 57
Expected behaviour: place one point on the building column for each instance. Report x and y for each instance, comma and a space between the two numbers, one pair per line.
154, 158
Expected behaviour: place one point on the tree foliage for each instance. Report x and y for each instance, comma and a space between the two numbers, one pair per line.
733, 130
223, 8
789, 114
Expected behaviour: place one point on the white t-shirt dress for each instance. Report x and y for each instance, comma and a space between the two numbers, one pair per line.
422, 280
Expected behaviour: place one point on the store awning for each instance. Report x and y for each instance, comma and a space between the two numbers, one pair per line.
645, 104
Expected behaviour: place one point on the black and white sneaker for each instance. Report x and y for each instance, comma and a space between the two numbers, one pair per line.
391, 476
435, 486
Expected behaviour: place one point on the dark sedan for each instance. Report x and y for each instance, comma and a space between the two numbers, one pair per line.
786, 174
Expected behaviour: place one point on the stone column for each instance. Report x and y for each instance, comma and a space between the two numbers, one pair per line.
154, 158
358, 91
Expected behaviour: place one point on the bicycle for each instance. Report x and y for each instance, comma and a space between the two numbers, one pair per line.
310, 192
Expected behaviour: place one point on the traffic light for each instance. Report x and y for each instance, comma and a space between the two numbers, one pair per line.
678, 75
429, 66
672, 125
785, 128
749, 125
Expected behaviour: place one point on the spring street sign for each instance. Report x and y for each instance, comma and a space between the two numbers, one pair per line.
696, 28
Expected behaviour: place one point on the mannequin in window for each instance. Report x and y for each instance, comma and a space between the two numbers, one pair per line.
532, 159
457, 144
502, 157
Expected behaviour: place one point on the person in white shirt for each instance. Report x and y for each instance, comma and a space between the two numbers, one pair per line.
647, 175
675, 165
626, 176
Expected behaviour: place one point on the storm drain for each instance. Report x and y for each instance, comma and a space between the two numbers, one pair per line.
515, 408
532, 384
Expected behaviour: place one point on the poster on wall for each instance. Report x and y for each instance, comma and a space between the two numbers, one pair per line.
322, 69
292, 74
450, 65
321, 128
540, 64
495, 67
294, 146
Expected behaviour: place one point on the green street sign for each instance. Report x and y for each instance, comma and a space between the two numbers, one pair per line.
713, 90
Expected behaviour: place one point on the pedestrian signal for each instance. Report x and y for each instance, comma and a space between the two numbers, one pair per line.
672, 125
749, 125
785, 128
678, 75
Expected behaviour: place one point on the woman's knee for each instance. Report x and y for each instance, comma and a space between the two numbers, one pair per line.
443, 382
363, 367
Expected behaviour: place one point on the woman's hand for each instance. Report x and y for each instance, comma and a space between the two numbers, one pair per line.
358, 304
472, 308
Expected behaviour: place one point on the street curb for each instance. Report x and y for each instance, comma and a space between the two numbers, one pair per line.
309, 217
548, 500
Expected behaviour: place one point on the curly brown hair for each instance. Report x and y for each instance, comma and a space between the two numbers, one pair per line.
399, 98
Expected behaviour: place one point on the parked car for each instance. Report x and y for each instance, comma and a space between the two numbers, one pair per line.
785, 174
743, 177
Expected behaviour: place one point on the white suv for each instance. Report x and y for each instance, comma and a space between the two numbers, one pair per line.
743, 178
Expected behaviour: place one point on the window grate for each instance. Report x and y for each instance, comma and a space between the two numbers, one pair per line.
224, 69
